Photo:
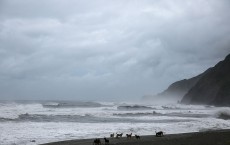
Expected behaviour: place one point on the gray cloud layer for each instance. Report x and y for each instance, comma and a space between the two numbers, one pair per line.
104, 49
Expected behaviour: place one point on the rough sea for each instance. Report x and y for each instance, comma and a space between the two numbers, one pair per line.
36, 122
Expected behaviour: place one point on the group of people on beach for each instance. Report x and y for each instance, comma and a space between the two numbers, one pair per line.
129, 136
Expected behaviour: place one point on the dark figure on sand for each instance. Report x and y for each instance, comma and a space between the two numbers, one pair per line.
159, 134
129, 135
112, 135
106, 140
97, 142
137, 136
119, 135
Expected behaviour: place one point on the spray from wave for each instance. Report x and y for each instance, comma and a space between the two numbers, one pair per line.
223, 114
46, 121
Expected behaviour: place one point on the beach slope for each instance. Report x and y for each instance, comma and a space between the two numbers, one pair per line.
219, 137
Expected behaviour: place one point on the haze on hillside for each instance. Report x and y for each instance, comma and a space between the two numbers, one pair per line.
107, 50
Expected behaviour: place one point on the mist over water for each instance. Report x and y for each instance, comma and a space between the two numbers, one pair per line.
47, 121
107, 50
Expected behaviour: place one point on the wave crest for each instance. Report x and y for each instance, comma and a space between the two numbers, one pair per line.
134, 107
68, 104
138, 114
50, 118
223, 114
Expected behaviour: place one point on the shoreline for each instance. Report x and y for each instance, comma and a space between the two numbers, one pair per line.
211, 137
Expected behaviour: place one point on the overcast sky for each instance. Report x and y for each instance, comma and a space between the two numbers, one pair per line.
107, 49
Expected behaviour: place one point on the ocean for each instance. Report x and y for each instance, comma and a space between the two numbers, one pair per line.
36, 122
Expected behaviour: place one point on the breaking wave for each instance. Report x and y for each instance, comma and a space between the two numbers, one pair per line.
134, 107
41, 120
135, 114
67, 104
47, 118
223, 114
154, 113
84, 119
184, 107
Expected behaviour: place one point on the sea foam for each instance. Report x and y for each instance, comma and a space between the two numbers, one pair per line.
25, 122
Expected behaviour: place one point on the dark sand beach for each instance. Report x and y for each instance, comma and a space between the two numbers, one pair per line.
218, 137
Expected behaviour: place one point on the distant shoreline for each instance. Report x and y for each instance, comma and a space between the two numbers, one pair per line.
212, 137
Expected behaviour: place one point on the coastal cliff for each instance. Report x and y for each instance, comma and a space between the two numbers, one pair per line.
213, 88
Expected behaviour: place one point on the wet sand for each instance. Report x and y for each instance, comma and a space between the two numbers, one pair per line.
218, 137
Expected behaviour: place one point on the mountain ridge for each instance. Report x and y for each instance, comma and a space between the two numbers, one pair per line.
212, 87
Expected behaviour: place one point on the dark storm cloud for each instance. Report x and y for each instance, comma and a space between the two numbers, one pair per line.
107, 49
